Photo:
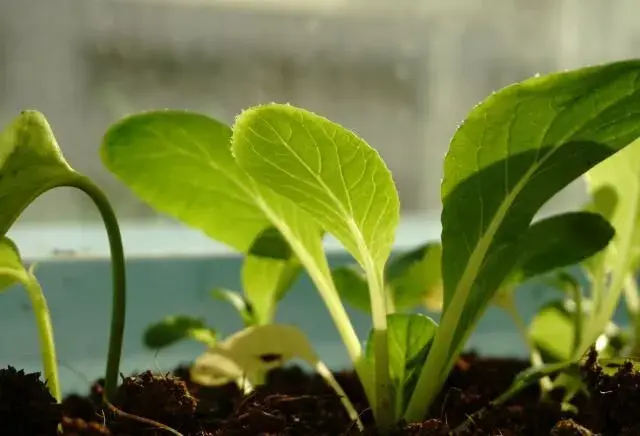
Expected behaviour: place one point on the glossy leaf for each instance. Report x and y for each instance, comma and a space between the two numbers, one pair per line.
177, 328
515, 150
30, 163
326, 170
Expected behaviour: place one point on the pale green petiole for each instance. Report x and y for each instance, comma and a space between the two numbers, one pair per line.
45, 329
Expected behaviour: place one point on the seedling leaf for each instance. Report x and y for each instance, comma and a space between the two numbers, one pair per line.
410, 337
176, 328
561, 241
189, 173
30, 163
515, 151
352, 286
326, 170
415, 277
9, 262
265, 281
552, 330
270, 243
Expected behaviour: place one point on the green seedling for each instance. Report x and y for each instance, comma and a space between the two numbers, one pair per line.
31, 164
268, 273
285, 167
12, 272
258, 349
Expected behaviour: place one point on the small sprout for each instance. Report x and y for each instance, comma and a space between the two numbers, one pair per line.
31, 164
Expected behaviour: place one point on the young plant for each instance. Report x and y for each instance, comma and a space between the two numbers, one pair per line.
31, 164
12, 272
304, 174
268, 273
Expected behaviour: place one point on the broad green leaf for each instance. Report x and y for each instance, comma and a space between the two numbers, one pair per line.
352, 286
11, 266
271, 244
410, 336
515, 151
415, 278
177, 328
239, 302
327, 171
615, 189
561, 241
265, 281
31, 163
189, 173
253, 350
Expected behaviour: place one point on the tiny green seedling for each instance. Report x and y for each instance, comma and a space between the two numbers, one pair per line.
31, 164
12, 271
268, 272
285, 167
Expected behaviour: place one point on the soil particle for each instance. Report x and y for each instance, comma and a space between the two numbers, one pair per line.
80, 427
568, 427
614, 403
161, 398
26, 406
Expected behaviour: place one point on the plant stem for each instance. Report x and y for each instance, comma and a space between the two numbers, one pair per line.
536, 360
326, 374
383, 409
118, 310
45, 329
633, 307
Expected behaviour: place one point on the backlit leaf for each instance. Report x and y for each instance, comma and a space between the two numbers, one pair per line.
11, 266
326, 170
31, 163
515, 150
189, 173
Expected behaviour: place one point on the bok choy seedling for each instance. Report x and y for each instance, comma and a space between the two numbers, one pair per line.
31, 164
286, 167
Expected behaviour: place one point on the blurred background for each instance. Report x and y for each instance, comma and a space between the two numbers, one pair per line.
401, 73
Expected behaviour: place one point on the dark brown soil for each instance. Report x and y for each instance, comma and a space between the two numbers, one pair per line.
294, 402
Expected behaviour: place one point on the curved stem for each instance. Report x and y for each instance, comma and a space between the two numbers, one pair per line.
118, 310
